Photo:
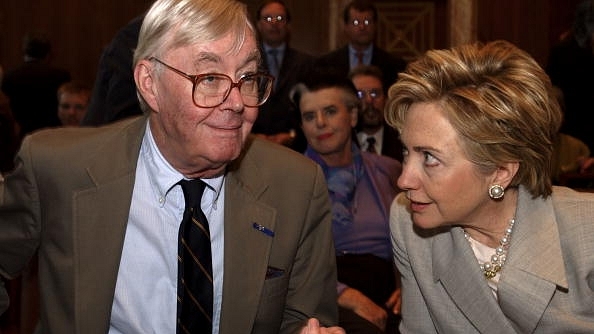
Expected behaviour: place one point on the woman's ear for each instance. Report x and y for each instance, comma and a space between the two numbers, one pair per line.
145, 83
354, 116
506, 173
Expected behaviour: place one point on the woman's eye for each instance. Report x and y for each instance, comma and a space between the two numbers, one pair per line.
430, 160
308, 117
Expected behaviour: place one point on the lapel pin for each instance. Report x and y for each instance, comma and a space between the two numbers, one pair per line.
263, 229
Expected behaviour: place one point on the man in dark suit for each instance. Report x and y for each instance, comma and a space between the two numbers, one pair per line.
373, 134
360, 19
114, 92
32, 87
277, 120
107, 225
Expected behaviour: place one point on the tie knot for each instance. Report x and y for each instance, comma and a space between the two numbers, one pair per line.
371, 140
273, 52
193, 190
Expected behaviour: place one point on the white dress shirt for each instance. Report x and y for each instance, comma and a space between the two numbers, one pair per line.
145, 298
363, 143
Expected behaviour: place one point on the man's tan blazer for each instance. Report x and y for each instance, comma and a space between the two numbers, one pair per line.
70, 197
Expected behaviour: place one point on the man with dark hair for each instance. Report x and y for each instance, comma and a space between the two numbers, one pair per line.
373, 134
360, 23
32, 86
277, 120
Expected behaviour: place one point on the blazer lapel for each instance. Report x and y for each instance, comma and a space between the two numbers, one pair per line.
246, 247
465, 284
534, 267
99, 219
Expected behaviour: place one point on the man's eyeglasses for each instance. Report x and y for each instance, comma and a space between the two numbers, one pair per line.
276, 18
364, 22
371, 93
210, 90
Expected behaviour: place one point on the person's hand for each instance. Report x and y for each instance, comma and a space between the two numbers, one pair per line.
586, 164
364, 307
395, 301
313, 327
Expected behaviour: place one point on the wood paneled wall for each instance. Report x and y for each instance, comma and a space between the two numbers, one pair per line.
80, 29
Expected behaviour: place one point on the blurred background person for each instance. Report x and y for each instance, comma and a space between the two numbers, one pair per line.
373, 134
277, 120
32, 86
571, 156
571, 68
483, 241
9, 136
73, 100
114, 92
360, 29
361, 186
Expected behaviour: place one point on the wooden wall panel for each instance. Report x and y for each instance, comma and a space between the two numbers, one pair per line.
80, 29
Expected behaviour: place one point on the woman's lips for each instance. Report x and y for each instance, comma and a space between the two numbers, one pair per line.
324, 136
418, 206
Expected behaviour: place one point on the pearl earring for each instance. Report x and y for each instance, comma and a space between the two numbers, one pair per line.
496, 191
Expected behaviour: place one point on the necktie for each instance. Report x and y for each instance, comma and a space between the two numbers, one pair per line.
194, 292
359, 55
274, 64
371, 145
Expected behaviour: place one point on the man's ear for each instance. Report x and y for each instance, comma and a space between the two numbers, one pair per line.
144, 76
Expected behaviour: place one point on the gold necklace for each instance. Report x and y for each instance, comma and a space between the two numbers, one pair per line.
490, 269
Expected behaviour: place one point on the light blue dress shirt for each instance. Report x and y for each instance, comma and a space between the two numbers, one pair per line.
367, 55
280, 53
145, 298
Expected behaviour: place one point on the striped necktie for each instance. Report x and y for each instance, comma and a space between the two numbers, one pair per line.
194, 287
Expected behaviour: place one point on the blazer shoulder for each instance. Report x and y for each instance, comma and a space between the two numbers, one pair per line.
74, 143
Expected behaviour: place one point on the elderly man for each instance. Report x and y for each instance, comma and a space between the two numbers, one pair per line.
176, 221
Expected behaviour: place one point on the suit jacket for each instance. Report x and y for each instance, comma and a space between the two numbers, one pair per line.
389, 64
114, 92
71, 195
279, 114
546, 285
391, 144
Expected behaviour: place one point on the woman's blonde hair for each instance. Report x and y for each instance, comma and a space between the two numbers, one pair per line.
496, 97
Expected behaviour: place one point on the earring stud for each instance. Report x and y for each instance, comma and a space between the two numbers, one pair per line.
496, 191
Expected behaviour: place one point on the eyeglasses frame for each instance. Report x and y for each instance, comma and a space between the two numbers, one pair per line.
195, 77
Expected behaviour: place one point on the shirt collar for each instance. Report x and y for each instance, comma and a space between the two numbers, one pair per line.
162, 176
281, 48
367, 51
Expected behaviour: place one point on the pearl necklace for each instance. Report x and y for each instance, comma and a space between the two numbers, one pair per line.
490, 269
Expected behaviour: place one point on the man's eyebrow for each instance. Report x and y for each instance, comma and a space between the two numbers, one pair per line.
208, 57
